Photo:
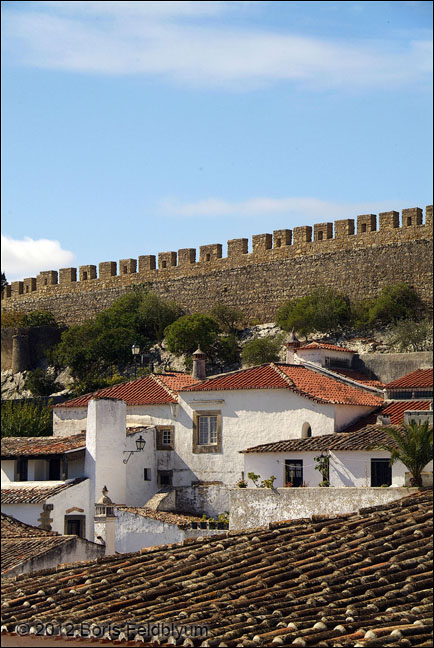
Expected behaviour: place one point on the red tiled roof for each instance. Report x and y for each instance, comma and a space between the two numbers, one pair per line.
297, 378
28, 493
395, 410
32, 446
324, 581
361, 440
13, 528
155, 389
359, 377
418, 378
324, 345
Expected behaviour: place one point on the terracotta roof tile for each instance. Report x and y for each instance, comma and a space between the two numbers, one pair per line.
154, 389
28, 493
13, 528
394, 409
360, 440
296, 378
168, 517
419, 378
32, 446
324, 345
308, 582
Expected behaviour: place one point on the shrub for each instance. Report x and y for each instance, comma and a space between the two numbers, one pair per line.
225, 350
42, 383
409, 336
230, 319
13, 319
25, 419
18, 319
190, 331
395, 302
261, 350
324, 310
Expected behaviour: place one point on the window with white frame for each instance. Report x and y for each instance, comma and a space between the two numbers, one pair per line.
207, 430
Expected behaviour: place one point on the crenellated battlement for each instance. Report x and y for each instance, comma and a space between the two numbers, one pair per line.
283, 245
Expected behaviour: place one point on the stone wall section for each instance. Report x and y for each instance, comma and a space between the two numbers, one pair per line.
282, 265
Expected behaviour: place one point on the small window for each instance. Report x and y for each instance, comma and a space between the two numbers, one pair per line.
320, 236
306, 431
84, 276
75, 525
278, 242
381, 472
147, 474
408, 221
125, 269
364, 227
164, 264
208, 257
27, 289
165, 477
54, 469
207, 430
165, 438
45, 282
22, 470
294, 472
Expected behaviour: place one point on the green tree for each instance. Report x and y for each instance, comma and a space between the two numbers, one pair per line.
412, 444
156, 315
324, 310
25, 419
408, 336
261, 350
185, 335
4, 281
40, 318
230, 319
42, 383
395, 302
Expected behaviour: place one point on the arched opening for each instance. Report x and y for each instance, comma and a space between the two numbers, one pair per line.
306, 431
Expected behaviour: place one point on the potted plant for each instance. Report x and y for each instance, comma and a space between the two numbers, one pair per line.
242, 484
223, 521
203, 522
211, 523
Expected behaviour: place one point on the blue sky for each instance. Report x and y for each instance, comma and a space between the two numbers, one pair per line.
132, 128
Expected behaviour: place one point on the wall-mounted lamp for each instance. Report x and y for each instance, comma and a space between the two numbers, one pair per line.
140, 445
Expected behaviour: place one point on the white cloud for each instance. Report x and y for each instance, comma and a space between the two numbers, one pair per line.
28, 257
173, 40
302, 210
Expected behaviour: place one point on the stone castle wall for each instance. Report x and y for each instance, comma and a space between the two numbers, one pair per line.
280, 266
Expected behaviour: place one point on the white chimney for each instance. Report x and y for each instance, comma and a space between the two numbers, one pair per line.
199, 359
105, 522
291, 348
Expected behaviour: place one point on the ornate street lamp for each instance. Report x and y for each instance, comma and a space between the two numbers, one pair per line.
140, 445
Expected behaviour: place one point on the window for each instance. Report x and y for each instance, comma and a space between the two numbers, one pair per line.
165, 438
294, 472
75, 525
364, 227
306, 431
320, 236
409, 221
208, 257
207, 432
337, 362
164, 264
147, 474
22, 470
278, 242
54, 469
381, 472
165, 477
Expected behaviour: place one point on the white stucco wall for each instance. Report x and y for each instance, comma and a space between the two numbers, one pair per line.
347, 414
7, 470
69, 420
249, 417
318, 356
28, 513
266, 464
139, 491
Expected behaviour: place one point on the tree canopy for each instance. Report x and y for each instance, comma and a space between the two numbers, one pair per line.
324, 310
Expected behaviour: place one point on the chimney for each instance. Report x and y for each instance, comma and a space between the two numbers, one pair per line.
105, 522
382, 419
291, 348
199, 358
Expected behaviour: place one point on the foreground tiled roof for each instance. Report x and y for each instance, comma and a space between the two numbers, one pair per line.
360, 440
395, 410
32, 446
21, 542
359, 579
419, 378
324, 345
27, 493
155, 389
301, 380
179, 519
